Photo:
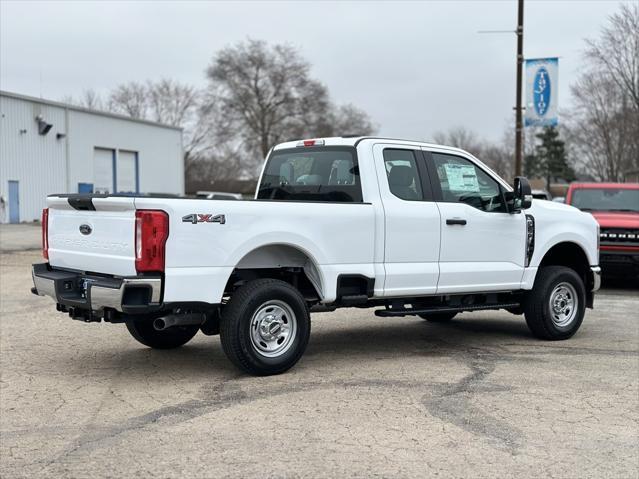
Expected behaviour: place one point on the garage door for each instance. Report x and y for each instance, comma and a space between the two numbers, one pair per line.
127, 177
103, 170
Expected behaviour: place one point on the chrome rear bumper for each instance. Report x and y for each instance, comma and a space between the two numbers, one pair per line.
95, 293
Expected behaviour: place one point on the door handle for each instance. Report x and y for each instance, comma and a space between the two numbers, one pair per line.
455, 221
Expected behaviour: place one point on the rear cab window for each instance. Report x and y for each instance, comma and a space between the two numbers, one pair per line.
324, 173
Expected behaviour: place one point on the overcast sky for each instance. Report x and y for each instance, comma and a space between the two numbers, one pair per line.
415, 67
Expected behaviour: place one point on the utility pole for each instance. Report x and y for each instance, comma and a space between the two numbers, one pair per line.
519, 127
519, 124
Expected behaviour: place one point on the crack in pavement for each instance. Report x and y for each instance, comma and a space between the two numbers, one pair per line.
454, 403
448, 402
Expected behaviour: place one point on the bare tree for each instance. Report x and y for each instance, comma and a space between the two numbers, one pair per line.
267, 94
90, 99
262, 89
257, 95
498, 156
210, 151
617, 50
603, 131
350, 120
604, 123
171, 102
460, 137
129, 99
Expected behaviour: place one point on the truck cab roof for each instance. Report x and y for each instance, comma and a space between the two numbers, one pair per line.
356, 140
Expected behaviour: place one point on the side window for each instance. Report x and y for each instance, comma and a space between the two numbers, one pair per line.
402, 174
463, 182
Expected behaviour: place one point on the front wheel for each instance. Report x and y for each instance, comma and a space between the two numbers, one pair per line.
265, 327
555, 307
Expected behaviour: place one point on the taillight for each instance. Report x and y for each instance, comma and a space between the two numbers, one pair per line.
151, 232
45, 233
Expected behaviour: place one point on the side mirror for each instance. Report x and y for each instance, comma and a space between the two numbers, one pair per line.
522, 194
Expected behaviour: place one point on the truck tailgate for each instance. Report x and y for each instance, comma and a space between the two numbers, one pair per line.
100, 240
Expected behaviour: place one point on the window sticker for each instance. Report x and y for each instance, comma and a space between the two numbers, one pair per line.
461, 177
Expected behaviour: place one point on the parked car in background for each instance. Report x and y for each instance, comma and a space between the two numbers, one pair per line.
559, 199
615, 206
541, 195
217, 195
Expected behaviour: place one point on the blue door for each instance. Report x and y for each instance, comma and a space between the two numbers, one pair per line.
85, 187
14, 202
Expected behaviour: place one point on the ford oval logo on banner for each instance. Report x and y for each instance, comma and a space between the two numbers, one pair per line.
541, 92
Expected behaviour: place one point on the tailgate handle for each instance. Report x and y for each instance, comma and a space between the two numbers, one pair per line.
455, 221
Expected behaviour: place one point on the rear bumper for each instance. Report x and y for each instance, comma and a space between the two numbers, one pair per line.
89, 292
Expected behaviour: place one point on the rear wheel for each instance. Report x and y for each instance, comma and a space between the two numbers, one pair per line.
438, 317
169, 338
555, 307
265, 327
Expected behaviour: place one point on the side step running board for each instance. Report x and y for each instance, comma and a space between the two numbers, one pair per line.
442, 309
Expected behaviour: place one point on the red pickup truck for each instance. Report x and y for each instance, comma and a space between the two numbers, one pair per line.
615, 206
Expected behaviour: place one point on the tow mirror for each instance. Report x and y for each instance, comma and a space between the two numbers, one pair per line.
522, 194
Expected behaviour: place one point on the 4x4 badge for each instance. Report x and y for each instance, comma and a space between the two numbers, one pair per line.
196, 218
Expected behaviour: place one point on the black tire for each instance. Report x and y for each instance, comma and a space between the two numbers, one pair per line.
438, 317
542, 321
169, 338
242, 341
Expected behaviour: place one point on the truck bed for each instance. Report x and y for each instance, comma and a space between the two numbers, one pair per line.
340, 237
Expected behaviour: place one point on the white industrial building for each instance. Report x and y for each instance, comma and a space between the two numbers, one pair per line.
48, 147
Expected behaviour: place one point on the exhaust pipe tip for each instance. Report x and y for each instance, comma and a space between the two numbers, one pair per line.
159, 324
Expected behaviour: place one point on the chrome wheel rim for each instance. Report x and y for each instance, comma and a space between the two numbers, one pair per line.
273, 328
563, 304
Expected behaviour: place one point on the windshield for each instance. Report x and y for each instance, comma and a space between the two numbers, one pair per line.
312, 174
606, 199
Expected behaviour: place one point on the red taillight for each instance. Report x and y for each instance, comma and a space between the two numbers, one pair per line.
45, 233
151, 232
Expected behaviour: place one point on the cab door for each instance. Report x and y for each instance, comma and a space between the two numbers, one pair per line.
482, 244
411, 221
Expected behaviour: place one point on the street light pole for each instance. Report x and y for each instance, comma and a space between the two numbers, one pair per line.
519, 127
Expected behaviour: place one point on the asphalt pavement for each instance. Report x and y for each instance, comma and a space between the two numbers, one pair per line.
372, 397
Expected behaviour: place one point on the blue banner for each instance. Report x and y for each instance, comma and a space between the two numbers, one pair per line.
541, 92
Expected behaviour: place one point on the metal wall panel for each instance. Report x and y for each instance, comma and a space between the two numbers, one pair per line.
159, 151
63, 159
36, 161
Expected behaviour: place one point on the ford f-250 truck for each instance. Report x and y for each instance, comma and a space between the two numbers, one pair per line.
409, 228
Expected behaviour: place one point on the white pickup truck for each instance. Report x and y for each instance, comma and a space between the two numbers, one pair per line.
406, 227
